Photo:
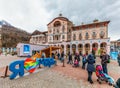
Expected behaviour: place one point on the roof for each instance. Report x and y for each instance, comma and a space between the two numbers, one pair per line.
118, 40
61, 18
48, 50
52, 48
94, 23
36, 32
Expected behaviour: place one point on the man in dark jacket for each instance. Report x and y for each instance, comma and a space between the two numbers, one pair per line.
104, 61
69, 58
90, 67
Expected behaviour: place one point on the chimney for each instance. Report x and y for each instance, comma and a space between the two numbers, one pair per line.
82, 23
60, 15
96, 20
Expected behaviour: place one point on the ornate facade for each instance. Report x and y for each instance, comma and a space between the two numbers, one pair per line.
82, 38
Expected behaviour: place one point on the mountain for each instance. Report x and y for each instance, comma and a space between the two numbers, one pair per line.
3, 22
11, 36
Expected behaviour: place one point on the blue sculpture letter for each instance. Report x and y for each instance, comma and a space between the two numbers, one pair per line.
15, 71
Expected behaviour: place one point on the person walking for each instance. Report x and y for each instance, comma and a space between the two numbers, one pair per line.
118, 59
69, 58
104, 60
90, 67
58, 55
83, 61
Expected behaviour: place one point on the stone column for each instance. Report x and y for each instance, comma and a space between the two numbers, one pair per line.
98, 50
71, 48
90, 48
64, 48
83, 49
77, 48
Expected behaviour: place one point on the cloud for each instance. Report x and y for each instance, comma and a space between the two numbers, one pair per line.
26, 14
30, 15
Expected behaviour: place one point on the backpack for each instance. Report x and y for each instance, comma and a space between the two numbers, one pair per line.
84, 60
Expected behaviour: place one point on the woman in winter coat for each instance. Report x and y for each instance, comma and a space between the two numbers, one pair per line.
118, 58
90, 67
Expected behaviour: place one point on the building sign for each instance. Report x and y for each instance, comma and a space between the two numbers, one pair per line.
26, 49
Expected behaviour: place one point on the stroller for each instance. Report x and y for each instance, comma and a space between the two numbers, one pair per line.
76, 63
103, 76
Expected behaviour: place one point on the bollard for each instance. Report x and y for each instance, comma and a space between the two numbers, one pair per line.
63, 63
6, 71
39, 66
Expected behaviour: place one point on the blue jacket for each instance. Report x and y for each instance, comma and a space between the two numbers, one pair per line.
90, 61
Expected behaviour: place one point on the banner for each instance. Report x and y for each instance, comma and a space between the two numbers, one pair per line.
114, 55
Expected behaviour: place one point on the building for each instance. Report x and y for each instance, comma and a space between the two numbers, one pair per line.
38, 37
115, 45
82, 38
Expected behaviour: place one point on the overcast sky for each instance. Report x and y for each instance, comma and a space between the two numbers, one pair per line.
30, 15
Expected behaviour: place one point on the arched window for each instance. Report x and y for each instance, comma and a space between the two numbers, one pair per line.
57, 37
53, 30
74, 37
102, 34
69, 30
50, 39
63, 37
57, 24
86, 36
63, 28
50, 30
57, 30
80, 36
94, 35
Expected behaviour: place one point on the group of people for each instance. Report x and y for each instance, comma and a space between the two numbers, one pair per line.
90, 61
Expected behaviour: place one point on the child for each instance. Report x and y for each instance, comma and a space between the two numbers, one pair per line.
76, 63
83, 61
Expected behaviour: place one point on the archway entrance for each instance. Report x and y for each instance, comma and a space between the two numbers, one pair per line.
103, 46
80, 49
87, 48
74, 49
67, 48
95, 47
62, 47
